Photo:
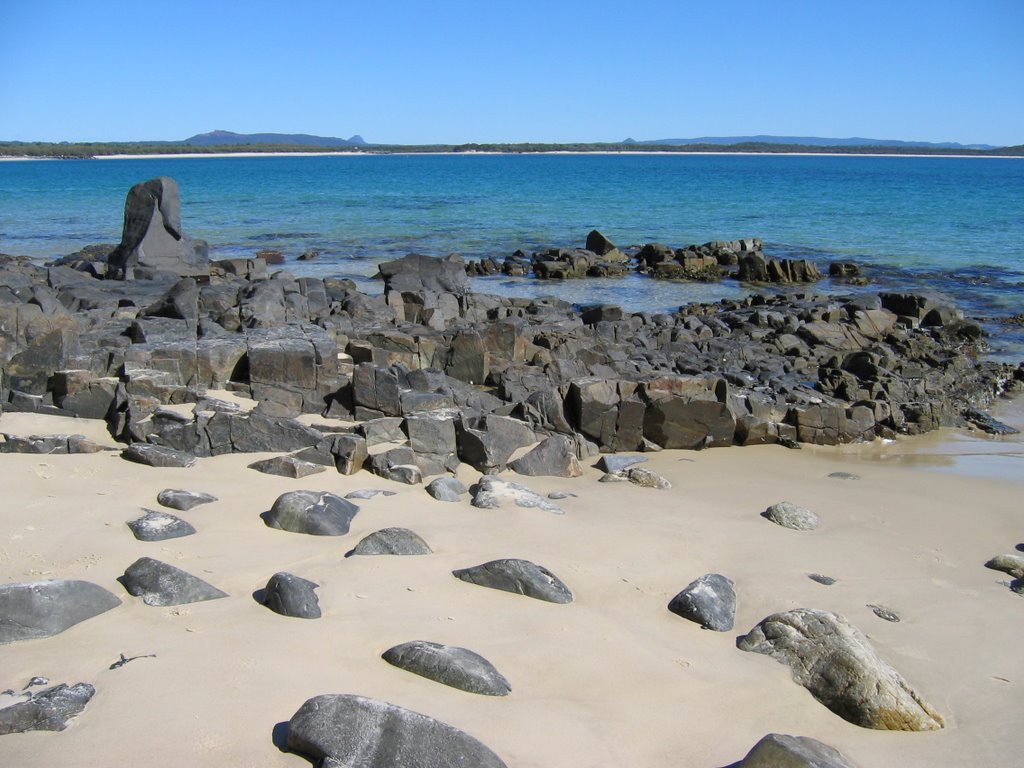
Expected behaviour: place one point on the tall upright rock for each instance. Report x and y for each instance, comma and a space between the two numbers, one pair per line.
152, 240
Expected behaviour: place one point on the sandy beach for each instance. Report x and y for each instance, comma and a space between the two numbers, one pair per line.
611, 679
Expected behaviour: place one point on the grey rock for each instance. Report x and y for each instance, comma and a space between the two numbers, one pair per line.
491, 492
618, 462
425, 273
183, 501
36, 609
291, 595
835, 662
789, 515
368, 493
828, 581
1011, 564
48, 444
646, 478
397, 464
559, 495
554, 456
48, 710
364, 732
317, 513
447, 488
843, 476
159, 526
709, 601
157, 456
392, 541
458, 667
777, 750
518, 576
888, 614
158, 583
287, 466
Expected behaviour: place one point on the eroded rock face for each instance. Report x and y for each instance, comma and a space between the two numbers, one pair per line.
354, 730
835, 662
458, 667
518, 576
44, 608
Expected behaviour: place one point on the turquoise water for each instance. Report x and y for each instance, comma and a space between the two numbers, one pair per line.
953, 225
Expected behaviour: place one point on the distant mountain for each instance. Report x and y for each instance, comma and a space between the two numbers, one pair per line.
811, 141
225, 138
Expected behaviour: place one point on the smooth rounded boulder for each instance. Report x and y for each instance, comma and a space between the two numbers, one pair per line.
450, 665
392, 541
709, 601
520, 577
290, 595
316, 513
36, 609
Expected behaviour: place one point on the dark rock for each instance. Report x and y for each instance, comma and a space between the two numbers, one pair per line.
780, 751
159, 526
398, 464
987, 424
828, 581
678, 423
488, 445
555, 456
290, 595
392, 541
424, 273
447, 488
48, 710
789, 515
158, 583
834, 661
157, 456
152, 240
457, 667
313, 512
39, 609
183, 500
884, 613
519, 576
353, 730
492, 491
286, 466
618, 462
709, 601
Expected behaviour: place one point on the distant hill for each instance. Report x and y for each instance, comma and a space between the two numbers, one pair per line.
811, 141
227, 138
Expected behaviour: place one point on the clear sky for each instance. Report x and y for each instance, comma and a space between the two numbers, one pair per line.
454, 71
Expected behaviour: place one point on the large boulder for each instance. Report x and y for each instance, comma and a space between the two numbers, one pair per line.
458, 667
392, 541
833, 660
341, 729
520, 577
314, 512
38, 609
152, 240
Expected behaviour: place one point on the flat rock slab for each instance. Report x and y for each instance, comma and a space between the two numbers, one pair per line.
158, 583
518, 576
833, 660
316, 513
789, 515
48, 710
291, 595
709, 601
287, 466
392, 541
159, 526
183, 501
458, 667
368, 733
157, 456
778, 750
491, 492
36, 609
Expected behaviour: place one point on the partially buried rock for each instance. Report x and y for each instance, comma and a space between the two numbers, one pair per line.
777, 750
392, 541
458, 667
553, 457
291, 595
48, 710
789, 515
158, 583
159, 526
618, 462
491, 492
518, 576
834, 661
354, 730
317, 513
709, 601
447, 488
183, 500
38, 609
287, 466
646, 478
157, 456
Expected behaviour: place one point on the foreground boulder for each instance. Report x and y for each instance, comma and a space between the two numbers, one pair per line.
48, 710
835, 662
777, 750
364, 732
44, 608
158, 583
458, 667
314, 512
518, 576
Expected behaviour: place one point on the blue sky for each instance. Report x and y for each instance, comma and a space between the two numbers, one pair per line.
455, 71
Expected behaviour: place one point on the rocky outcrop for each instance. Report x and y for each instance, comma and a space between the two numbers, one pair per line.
183, 501
37, 609
835, 662
353, 730
457, 667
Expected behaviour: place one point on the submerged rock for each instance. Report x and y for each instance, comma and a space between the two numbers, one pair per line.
458, 667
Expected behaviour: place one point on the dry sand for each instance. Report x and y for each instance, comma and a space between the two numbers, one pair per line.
611, 680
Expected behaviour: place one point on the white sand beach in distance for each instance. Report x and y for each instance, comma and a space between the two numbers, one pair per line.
611, 680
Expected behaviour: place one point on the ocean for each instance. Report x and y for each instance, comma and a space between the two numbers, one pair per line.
947, 225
